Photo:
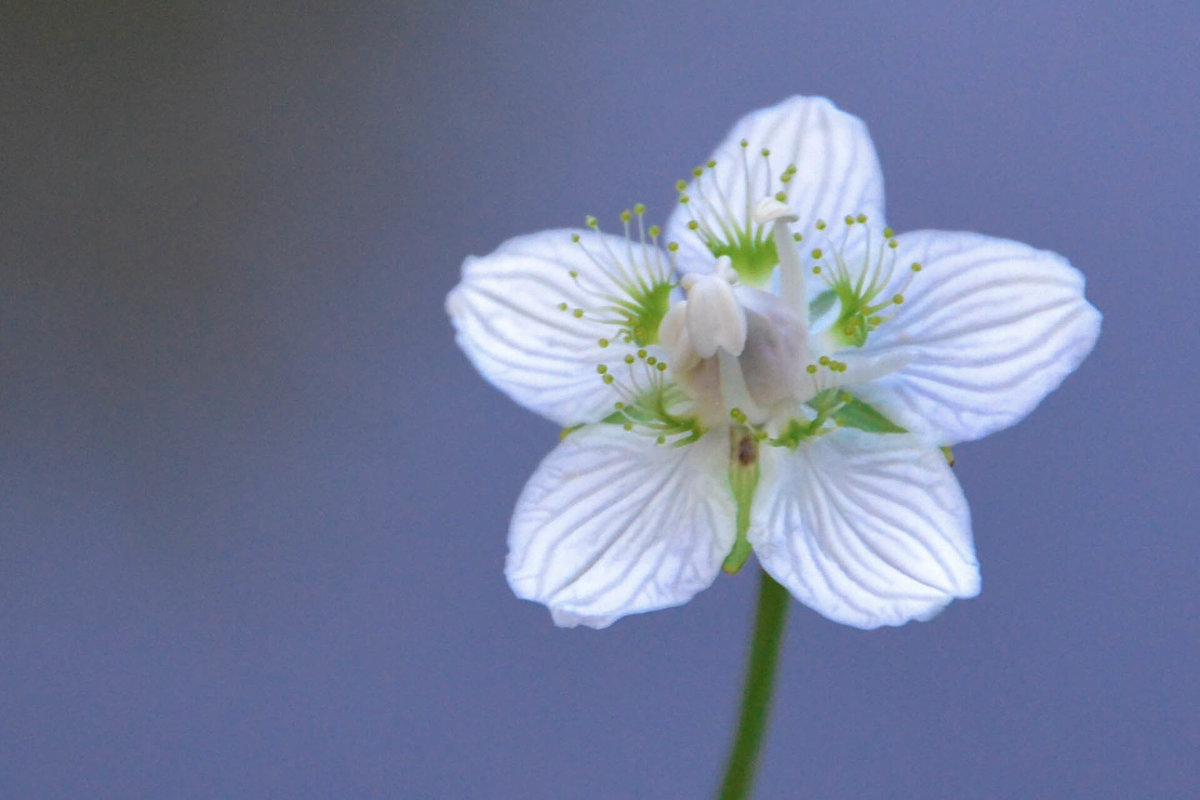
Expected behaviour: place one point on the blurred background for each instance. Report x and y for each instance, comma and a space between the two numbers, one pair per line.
253, 500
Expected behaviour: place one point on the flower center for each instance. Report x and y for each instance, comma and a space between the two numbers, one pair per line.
735, 348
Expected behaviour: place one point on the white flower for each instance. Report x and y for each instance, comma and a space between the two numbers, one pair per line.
780, 377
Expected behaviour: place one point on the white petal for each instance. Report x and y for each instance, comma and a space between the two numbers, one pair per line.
866, 529
837, 173
990, 327
613, 524
506, 312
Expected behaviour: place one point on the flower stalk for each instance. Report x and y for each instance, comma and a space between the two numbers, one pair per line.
756, 696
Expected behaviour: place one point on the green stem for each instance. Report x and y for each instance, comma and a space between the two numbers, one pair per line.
756, 697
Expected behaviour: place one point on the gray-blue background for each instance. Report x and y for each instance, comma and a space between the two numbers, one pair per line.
253, 500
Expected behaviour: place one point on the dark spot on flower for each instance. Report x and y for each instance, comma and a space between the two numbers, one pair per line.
747, 450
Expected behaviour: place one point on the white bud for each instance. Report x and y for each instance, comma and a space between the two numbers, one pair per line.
715, 318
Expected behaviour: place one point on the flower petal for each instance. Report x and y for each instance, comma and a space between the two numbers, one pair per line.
509, 320
613, 524
866, 529
989, 327
837, 171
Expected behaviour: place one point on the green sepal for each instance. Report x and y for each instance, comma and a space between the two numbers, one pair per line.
949, 454
743, 479
856, 414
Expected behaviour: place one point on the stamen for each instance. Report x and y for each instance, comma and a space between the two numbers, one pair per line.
727, 231
862, 274
629, 288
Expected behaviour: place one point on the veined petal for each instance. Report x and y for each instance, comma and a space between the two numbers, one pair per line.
990, 328
837, 172
866, 529
613, 524
515, 313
